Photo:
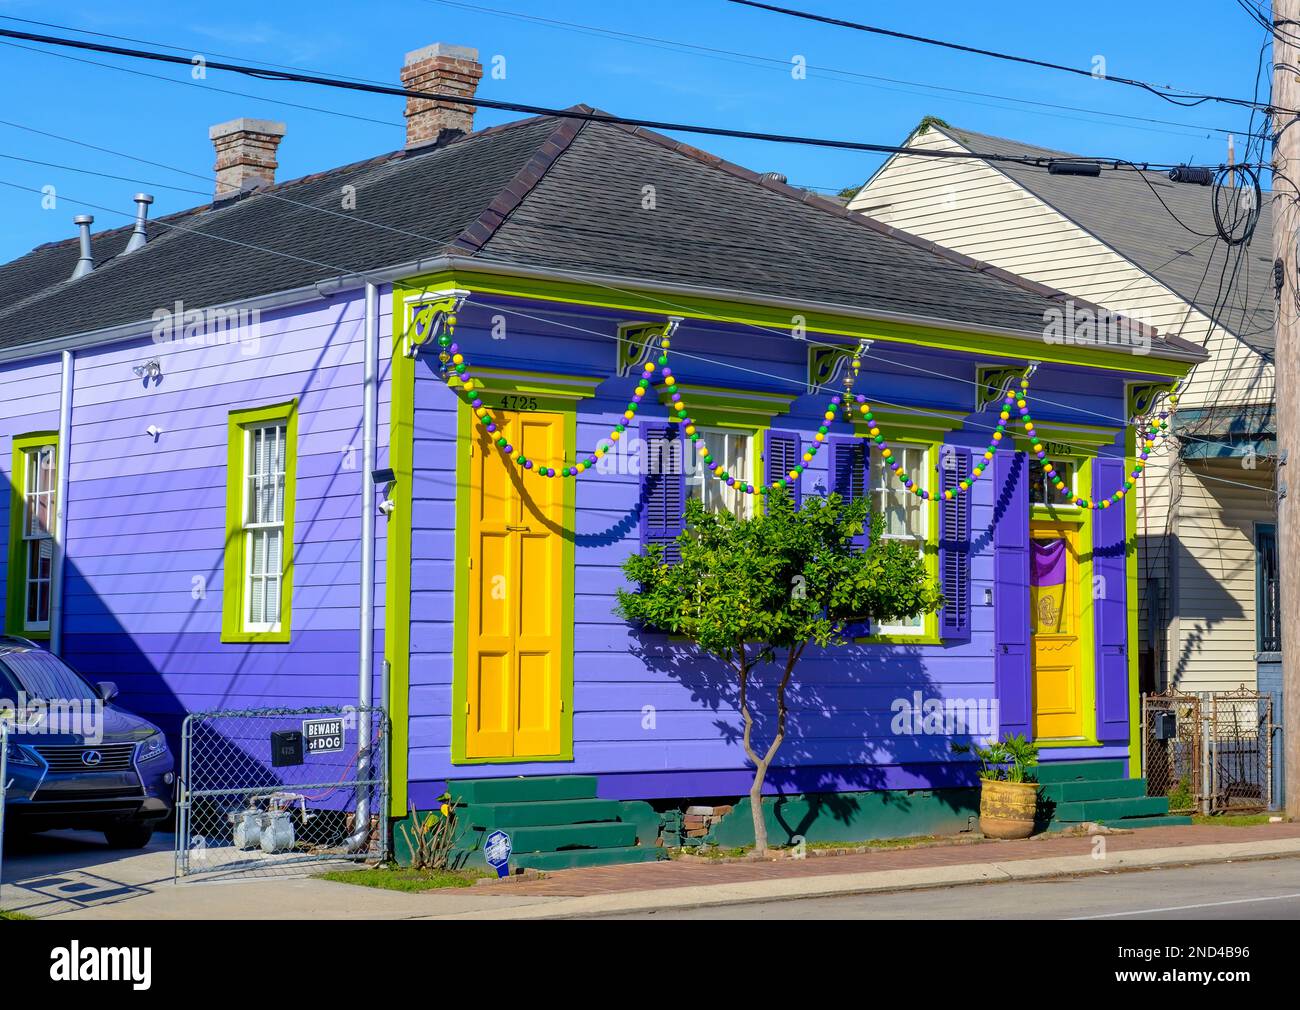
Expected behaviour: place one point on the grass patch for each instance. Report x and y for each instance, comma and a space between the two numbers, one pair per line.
1232, 820
14, 916
397, 878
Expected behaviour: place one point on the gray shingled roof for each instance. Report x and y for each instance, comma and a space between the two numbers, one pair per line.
548, 193
1119, 209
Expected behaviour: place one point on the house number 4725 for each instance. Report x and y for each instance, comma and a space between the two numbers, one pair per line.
513, 402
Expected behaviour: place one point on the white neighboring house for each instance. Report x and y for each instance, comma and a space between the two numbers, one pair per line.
1207, 508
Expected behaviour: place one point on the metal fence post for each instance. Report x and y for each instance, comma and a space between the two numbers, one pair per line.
1207, 765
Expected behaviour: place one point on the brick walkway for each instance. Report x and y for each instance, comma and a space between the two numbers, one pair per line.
674, 873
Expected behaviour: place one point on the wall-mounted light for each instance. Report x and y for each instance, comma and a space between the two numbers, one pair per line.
151, 369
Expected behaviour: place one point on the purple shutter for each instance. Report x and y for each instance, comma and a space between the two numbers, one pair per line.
1011, 661
1110, 605
782, 457
849, 472
663, 488
848, 475
954, 543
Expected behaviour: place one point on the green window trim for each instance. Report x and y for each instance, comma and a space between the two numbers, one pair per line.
232, 600
15, 618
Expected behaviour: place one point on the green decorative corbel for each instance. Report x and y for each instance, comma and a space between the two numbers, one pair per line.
639, 342
826, 365
1142, 396
992, 383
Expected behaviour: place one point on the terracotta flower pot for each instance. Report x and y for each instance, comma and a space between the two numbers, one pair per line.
1007, 808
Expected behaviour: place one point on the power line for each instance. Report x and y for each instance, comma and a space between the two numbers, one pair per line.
572, 113
1176, 96
826, 73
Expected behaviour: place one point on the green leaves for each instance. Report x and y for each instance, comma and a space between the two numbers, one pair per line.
777, 580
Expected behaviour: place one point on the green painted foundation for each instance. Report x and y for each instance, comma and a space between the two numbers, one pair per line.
851, 817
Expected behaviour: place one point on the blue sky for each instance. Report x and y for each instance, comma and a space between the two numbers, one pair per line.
744, 81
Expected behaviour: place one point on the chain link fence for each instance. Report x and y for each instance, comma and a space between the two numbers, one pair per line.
267, 791
1209, 753
1172, 749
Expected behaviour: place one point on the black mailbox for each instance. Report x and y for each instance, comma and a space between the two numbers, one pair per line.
286, 748
1166, 726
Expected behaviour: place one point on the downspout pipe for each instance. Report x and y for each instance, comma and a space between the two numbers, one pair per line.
366, 657
61, 454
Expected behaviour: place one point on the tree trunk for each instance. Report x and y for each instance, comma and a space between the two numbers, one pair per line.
761, 764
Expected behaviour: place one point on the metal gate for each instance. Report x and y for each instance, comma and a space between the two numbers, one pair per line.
1172, 749
1241, 750
271, 791
1210, 753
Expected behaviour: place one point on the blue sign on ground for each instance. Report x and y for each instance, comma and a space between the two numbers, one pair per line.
496, 850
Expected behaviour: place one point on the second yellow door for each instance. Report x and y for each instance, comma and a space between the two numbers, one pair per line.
1054, 620
514, 698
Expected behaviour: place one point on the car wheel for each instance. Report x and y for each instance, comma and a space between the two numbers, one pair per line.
129, 836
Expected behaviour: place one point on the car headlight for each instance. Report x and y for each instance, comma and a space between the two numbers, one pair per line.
16, 755
151, 747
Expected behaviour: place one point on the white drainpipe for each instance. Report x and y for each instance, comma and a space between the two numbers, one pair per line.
366, 659
61, 505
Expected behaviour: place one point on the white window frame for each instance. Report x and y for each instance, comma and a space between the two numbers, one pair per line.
1054, 499
37, 537
883, 484
738, 460
252, 529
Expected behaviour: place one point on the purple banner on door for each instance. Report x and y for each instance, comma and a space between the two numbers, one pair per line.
1046, 562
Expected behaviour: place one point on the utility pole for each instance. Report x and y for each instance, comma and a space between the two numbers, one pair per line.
1286, 163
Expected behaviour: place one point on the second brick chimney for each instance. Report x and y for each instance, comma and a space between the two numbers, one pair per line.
245, 155
445, 70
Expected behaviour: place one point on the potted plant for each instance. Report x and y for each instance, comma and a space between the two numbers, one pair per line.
1008, 786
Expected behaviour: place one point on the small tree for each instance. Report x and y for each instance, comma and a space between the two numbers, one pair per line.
761, 590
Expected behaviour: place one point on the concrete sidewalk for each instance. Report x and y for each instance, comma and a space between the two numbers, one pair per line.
71, 876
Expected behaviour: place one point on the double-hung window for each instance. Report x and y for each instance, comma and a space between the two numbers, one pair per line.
906, 516
31, 547
259, 520
730, 449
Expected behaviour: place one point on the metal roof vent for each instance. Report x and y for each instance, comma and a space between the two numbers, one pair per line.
86, 262
140, 234
775, 177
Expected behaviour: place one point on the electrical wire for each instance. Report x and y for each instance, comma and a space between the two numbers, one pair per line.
578, 114
783, 65
1177, 96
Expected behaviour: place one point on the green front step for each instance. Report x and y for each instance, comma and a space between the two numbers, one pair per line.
1050, 772
1164, 821
1094, 789
516, 815
1111, 811
570, 858
523, 790
552, 837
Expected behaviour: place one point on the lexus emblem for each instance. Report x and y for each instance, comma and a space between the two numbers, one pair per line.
90, 758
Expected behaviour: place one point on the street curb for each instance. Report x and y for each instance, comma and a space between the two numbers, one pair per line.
835, 884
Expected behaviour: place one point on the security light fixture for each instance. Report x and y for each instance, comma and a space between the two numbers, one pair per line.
151, 369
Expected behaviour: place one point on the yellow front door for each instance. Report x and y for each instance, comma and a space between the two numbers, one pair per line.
514, 702
1054, 624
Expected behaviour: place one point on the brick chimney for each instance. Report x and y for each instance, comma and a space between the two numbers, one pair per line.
245, 155
445, 70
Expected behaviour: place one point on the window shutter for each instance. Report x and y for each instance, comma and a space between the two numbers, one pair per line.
663, 488
783, 451
1110, 605
1011, 660
849, 468
954, 542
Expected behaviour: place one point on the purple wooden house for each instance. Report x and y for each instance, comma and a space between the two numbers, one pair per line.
239, 478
